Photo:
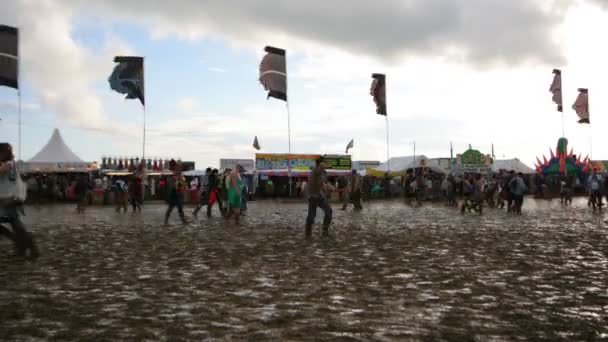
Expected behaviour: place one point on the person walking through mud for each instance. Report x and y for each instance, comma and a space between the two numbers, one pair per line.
235, 193
175, 187
13, 193
317, 189
82, 191
204, 192
214, 195
594, 186
518, 188
136, 194
343, 191
121, 195
354, 190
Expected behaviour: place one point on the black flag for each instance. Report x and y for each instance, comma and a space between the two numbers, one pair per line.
256, 143
128, 77
273, 73
378, 91
9, 56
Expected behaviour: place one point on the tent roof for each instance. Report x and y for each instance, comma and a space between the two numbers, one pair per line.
400, 163
56, 151
511, 164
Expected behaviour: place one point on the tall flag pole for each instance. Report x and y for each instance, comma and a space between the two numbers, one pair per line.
128, 78
273, 76
378, 91
556, 90
9, 67
451, 155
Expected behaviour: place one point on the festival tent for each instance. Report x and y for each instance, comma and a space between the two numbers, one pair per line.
399, 165
512, 164
56, 156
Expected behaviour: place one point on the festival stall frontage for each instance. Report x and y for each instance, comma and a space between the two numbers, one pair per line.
152, 171
472, 161
276, 170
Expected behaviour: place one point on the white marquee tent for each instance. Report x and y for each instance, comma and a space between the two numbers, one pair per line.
56, 156
512, 164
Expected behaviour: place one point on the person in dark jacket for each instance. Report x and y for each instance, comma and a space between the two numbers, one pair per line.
175, 195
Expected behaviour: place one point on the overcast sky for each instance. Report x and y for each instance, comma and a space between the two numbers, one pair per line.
469, 71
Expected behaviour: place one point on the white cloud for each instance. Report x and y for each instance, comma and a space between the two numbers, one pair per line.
216, 69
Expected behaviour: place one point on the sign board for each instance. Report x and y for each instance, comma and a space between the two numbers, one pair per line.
247, 164
270, 161
337, 162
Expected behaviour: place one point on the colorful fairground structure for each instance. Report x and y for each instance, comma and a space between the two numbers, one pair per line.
562, 162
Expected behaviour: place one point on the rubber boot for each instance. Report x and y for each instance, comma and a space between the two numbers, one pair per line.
308, 232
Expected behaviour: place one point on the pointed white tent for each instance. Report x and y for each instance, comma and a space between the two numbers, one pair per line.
512, 164
56, 151
56, 156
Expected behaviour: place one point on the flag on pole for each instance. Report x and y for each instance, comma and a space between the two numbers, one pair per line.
493, 152
273, 73
556, 89
256, 143
581, 105
378, 91
9, 56
128, 77
350, 145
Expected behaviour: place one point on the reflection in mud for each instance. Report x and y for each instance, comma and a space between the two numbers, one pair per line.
390, 272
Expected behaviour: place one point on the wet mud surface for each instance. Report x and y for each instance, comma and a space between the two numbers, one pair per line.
388, 273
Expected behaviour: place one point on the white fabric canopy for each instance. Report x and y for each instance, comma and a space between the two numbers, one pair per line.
401, 163
56, 151
511, 164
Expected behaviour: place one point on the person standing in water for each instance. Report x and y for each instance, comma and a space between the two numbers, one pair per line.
235, 194
316, 198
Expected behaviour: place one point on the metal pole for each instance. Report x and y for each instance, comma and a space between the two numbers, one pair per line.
288, 127
388, 156
288, 145
19, 94
415, 157
143, 155
19, 124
